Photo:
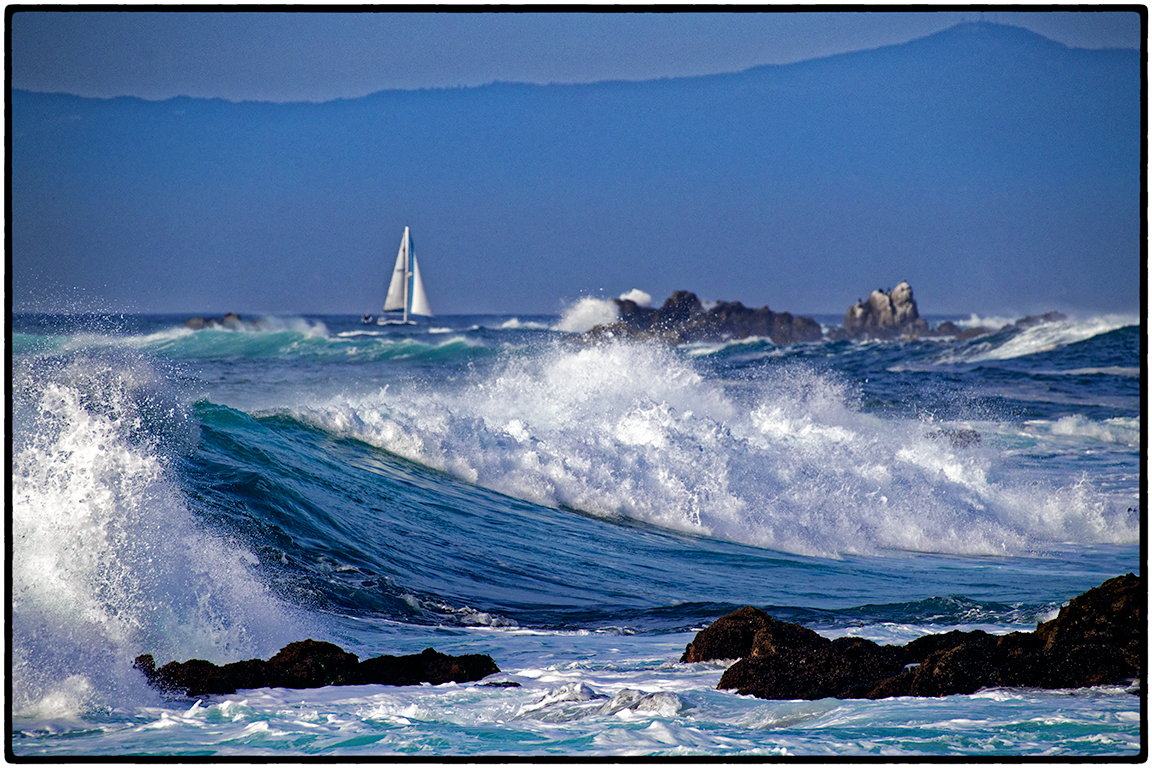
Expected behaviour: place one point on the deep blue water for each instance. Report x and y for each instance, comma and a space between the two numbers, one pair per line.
492, 485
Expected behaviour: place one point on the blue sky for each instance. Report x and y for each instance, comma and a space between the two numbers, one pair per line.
279, 56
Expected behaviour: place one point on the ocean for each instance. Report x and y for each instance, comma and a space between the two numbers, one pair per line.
495, 485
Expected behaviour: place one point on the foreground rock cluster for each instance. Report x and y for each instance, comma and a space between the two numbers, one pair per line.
1097, 639
314, 664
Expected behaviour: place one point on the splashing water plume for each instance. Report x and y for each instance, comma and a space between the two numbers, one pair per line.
110, 562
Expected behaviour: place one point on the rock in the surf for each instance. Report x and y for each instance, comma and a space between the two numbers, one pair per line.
960, 438
682, 318
231, 321
886, 315
1097, 639
848, 667
428, 666
1031, 320
729, 637
314, 664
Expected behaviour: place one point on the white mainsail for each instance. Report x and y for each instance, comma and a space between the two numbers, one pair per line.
397, 296
411, 299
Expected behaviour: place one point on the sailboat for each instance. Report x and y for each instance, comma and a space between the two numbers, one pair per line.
406, 291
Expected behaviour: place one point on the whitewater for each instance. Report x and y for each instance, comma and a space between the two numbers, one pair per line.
575, 510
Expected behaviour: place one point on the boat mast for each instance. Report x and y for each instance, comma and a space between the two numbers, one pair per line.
407, 270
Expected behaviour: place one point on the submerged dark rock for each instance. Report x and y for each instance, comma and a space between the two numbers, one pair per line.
1097, 639
231, 321
682, 318
1031, 320
960, 438
314, 664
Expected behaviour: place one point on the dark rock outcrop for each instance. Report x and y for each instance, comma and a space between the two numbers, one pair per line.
729, 637
682, 318
313, 664
428, 666
1097, 639
231, 321
971, 333
960, 438
1031, 320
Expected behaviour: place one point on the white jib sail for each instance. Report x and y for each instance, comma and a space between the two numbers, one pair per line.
397, 298
419, 299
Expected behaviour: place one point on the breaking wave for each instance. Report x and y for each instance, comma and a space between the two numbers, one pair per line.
626, 430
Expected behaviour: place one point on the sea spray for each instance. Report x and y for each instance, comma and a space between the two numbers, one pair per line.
622, 429
587, 313
108, 562
590, 311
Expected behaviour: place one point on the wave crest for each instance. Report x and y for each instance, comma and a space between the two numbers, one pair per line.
632, 430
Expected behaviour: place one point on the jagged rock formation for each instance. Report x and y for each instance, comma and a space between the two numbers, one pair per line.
313, 664
886, 315
683, 318
1097, 639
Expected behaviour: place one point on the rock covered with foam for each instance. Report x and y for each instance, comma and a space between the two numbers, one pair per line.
1097, 639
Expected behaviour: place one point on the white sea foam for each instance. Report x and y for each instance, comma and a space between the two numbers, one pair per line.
1123, 431
108, 561
992, 322
356, 334
268, 324
633, 430
516, 323
586, 314
1043, 337
638, 296
1108, 370
299, 325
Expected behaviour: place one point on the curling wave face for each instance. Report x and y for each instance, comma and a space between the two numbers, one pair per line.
792, 464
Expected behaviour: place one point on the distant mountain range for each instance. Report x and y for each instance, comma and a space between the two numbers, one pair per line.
985, 164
